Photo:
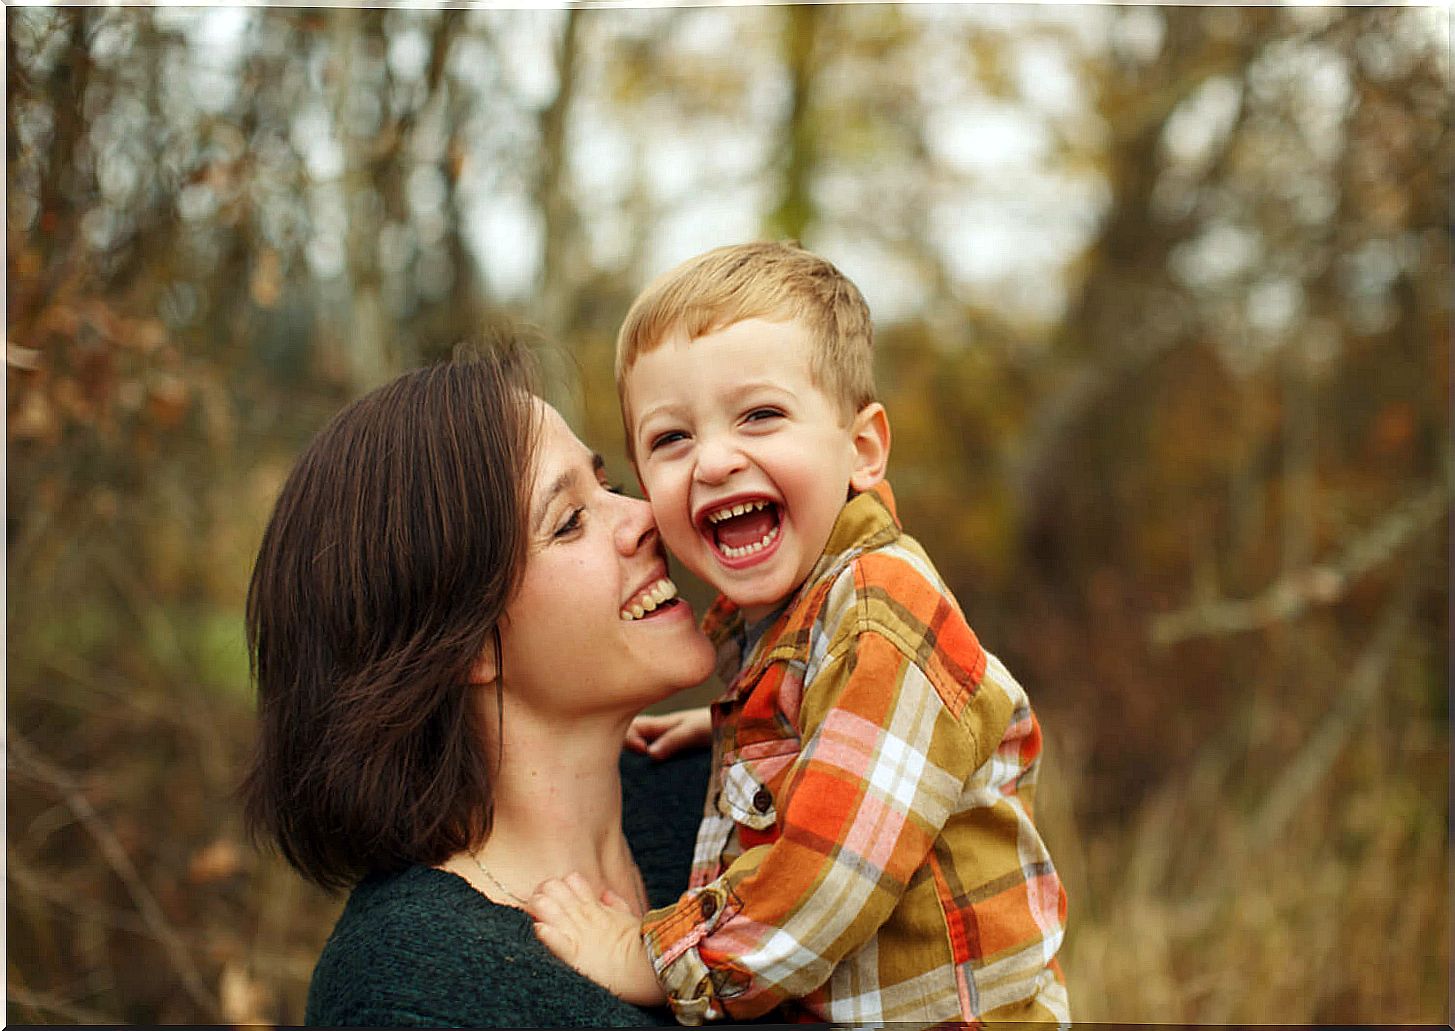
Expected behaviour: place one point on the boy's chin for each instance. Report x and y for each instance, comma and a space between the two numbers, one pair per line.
754, 604
756, 608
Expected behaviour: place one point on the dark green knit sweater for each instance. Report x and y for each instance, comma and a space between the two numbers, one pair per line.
422, 948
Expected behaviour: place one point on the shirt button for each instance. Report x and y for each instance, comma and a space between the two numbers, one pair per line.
708, 905
763, 800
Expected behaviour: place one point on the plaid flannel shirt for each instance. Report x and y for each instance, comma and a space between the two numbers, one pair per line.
867, 851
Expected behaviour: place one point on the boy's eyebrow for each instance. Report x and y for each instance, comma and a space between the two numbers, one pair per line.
732, 394
755, 385
565, 481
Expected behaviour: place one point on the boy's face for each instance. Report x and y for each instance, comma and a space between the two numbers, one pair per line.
745, 461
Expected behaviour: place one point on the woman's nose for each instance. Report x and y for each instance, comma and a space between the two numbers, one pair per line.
636, 527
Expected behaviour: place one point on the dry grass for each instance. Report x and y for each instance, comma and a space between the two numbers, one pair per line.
1180, 916
1189, 917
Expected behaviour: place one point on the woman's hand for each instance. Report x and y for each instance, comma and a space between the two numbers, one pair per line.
601, 941
661, 736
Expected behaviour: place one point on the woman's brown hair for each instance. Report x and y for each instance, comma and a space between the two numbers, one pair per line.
391, 552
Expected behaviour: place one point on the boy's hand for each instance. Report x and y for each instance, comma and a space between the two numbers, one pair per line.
603, 942
661, 736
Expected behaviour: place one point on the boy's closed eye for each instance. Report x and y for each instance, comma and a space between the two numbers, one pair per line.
665, 439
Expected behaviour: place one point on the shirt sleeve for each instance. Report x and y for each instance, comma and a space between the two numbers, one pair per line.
884, 756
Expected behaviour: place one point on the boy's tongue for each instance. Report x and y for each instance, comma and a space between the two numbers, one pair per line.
749, 528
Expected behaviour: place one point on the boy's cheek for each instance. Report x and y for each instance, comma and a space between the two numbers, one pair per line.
673, 524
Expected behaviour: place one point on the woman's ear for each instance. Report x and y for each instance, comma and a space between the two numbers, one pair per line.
870, 430
487, 667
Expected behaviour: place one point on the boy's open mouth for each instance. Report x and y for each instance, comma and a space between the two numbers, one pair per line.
742, 529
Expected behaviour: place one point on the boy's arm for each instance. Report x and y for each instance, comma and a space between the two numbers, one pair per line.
883, 762
600, 938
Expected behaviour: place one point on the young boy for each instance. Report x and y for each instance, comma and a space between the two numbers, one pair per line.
867, 852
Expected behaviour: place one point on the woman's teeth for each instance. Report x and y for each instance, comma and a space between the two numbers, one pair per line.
748, 549
660, 592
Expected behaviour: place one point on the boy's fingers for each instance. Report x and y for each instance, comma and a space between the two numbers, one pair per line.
558, 941
543, 907
674, 740
578, 887
551, 886
555, 901
614, 901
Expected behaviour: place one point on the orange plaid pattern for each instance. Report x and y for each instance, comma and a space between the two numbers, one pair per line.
867, 851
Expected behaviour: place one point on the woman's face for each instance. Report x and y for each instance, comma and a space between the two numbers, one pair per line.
593, 559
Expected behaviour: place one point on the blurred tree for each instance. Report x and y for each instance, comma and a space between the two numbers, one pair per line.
1162, 300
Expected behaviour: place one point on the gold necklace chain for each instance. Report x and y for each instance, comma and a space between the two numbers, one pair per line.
498, 886
494, 881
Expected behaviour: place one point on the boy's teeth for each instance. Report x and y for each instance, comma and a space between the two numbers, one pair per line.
748, 549
742, 508
649, 600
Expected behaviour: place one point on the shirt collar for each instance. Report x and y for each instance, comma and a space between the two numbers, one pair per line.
867, 520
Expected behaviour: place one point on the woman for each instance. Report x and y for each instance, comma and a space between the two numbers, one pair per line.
452, 620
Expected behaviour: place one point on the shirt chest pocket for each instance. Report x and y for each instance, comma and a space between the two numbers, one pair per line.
752, 779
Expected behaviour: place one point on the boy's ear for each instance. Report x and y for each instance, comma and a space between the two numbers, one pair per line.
870, 430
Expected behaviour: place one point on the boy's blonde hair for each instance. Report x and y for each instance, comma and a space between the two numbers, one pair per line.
759, 280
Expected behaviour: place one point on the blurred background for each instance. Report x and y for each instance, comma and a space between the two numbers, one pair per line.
1162, 299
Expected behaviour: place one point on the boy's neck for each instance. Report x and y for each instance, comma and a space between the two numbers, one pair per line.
756, 614
753, 629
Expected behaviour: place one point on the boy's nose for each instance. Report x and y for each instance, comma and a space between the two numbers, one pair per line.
716, 461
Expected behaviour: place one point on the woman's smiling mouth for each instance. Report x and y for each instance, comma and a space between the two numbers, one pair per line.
658, 595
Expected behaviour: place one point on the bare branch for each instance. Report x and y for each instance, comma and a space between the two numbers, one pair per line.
1303, 774
45, 1002
21, 756
1322, 584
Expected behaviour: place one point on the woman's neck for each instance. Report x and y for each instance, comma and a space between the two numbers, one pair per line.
557, 808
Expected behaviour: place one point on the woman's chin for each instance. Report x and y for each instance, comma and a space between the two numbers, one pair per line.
685, 672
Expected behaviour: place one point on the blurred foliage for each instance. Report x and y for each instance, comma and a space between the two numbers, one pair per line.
1163, 313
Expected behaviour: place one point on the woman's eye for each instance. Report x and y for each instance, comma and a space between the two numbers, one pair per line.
571, 525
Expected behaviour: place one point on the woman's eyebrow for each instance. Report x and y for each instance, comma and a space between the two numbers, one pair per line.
566, 481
